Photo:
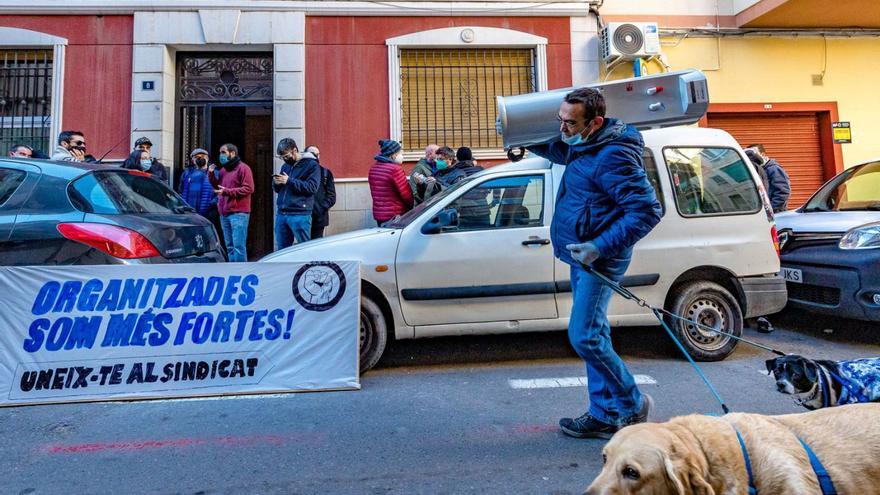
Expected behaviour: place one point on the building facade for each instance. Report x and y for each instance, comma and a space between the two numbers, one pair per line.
344, 74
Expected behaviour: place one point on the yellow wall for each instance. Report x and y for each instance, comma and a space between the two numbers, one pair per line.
768, 70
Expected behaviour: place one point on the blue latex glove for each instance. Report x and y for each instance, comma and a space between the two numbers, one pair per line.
585, 253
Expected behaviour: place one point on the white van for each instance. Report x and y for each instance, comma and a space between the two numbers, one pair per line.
712, 258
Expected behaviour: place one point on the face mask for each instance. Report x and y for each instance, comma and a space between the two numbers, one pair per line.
576, 139
201, 162
290, 160
398, 158
441, 164
224, 159
146, 164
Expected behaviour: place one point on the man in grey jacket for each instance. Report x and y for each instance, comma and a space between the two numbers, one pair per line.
71, 147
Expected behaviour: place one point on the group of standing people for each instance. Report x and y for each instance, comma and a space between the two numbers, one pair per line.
222, 193
394, 193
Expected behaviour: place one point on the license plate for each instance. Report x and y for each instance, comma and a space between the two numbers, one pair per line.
792, 275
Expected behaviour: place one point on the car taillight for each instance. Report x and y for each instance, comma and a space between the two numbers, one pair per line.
775, 237
115, 241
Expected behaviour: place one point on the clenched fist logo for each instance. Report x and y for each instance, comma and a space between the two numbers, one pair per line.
318, 286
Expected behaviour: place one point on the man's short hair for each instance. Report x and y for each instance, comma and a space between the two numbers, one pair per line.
66, 135
431, 148
311, 147
285, 145
592, 100
446, 151
15, 148
143, 140
231, 147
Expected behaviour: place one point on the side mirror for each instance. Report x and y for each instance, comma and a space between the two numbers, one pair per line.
445, 220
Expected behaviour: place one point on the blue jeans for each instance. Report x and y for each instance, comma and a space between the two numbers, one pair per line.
292, 228
235, 230
614, 396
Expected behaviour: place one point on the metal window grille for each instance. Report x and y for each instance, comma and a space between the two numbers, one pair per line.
448, 95
25, 98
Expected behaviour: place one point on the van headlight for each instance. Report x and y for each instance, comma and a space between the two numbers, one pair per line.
865, 237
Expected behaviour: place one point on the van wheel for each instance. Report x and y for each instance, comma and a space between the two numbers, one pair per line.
374, 333
711, 305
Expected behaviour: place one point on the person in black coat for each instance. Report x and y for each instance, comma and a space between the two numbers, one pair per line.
325, 196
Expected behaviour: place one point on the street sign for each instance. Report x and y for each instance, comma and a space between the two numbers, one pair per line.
842, 132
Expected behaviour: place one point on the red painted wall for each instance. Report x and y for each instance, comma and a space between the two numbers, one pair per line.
97, 75
346, 77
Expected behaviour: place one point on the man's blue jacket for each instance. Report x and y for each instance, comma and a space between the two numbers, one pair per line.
605, 196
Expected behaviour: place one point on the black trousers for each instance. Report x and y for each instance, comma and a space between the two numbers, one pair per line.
317, 229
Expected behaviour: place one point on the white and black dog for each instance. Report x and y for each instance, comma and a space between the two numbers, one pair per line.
821, 383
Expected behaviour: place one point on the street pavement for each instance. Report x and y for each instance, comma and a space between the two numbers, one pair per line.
465, 415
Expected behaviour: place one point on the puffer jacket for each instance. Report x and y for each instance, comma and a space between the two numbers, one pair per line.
605, 196
779, 188
297, 196
390, 190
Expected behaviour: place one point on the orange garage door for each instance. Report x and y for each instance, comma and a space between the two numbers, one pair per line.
792, 139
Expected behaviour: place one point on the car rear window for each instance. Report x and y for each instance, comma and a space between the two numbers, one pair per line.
113, 192
711, 181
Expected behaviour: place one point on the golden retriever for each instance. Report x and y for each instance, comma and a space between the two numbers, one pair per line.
701, 455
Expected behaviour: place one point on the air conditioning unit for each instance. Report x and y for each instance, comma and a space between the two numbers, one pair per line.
628, 41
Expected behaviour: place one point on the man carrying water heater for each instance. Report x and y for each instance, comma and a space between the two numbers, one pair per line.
604, 206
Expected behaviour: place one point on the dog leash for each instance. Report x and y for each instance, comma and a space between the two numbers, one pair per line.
626, 294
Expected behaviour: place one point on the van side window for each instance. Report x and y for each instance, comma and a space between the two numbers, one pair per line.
711, 181
506, 202
653, 176
9, 181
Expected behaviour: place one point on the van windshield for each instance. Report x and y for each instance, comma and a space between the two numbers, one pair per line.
407, 218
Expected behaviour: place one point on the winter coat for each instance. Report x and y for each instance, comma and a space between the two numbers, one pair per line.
389, 189
157, 170
325, 198
605, 196
195, 188
297, 196
60, 153
238, 180
421, 192
780, 186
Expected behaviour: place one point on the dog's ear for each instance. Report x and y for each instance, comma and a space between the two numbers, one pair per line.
771, 364
672, 482
810, 369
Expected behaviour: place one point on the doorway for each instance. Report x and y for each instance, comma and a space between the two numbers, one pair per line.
227, 98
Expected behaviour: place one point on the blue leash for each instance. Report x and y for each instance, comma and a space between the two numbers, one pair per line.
626, 294
821, 473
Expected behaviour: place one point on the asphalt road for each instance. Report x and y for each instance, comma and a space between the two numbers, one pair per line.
437, 416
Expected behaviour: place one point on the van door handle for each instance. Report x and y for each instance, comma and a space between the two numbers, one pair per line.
536, 242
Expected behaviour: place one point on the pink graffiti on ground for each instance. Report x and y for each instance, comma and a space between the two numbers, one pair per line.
140, 445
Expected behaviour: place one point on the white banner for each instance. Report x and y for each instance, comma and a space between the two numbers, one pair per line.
144, 331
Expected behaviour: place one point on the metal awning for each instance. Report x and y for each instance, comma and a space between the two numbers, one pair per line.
811, 14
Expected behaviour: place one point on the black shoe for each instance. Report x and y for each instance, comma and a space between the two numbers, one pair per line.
644, 411
587, 426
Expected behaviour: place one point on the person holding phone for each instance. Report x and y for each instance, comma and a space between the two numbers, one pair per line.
295, 185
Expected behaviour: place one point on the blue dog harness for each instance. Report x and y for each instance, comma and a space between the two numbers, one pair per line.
821, 473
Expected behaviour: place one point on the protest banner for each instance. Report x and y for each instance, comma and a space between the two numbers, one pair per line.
81, 333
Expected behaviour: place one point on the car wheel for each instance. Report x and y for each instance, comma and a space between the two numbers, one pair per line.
711, 305
374, 333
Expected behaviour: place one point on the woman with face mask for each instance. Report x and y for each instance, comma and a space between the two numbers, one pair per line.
195, 186
140, 159
389, 186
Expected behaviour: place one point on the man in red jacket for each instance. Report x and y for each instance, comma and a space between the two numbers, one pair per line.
234, 188
389, 187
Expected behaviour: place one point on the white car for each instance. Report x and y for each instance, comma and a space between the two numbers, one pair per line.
490, 267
